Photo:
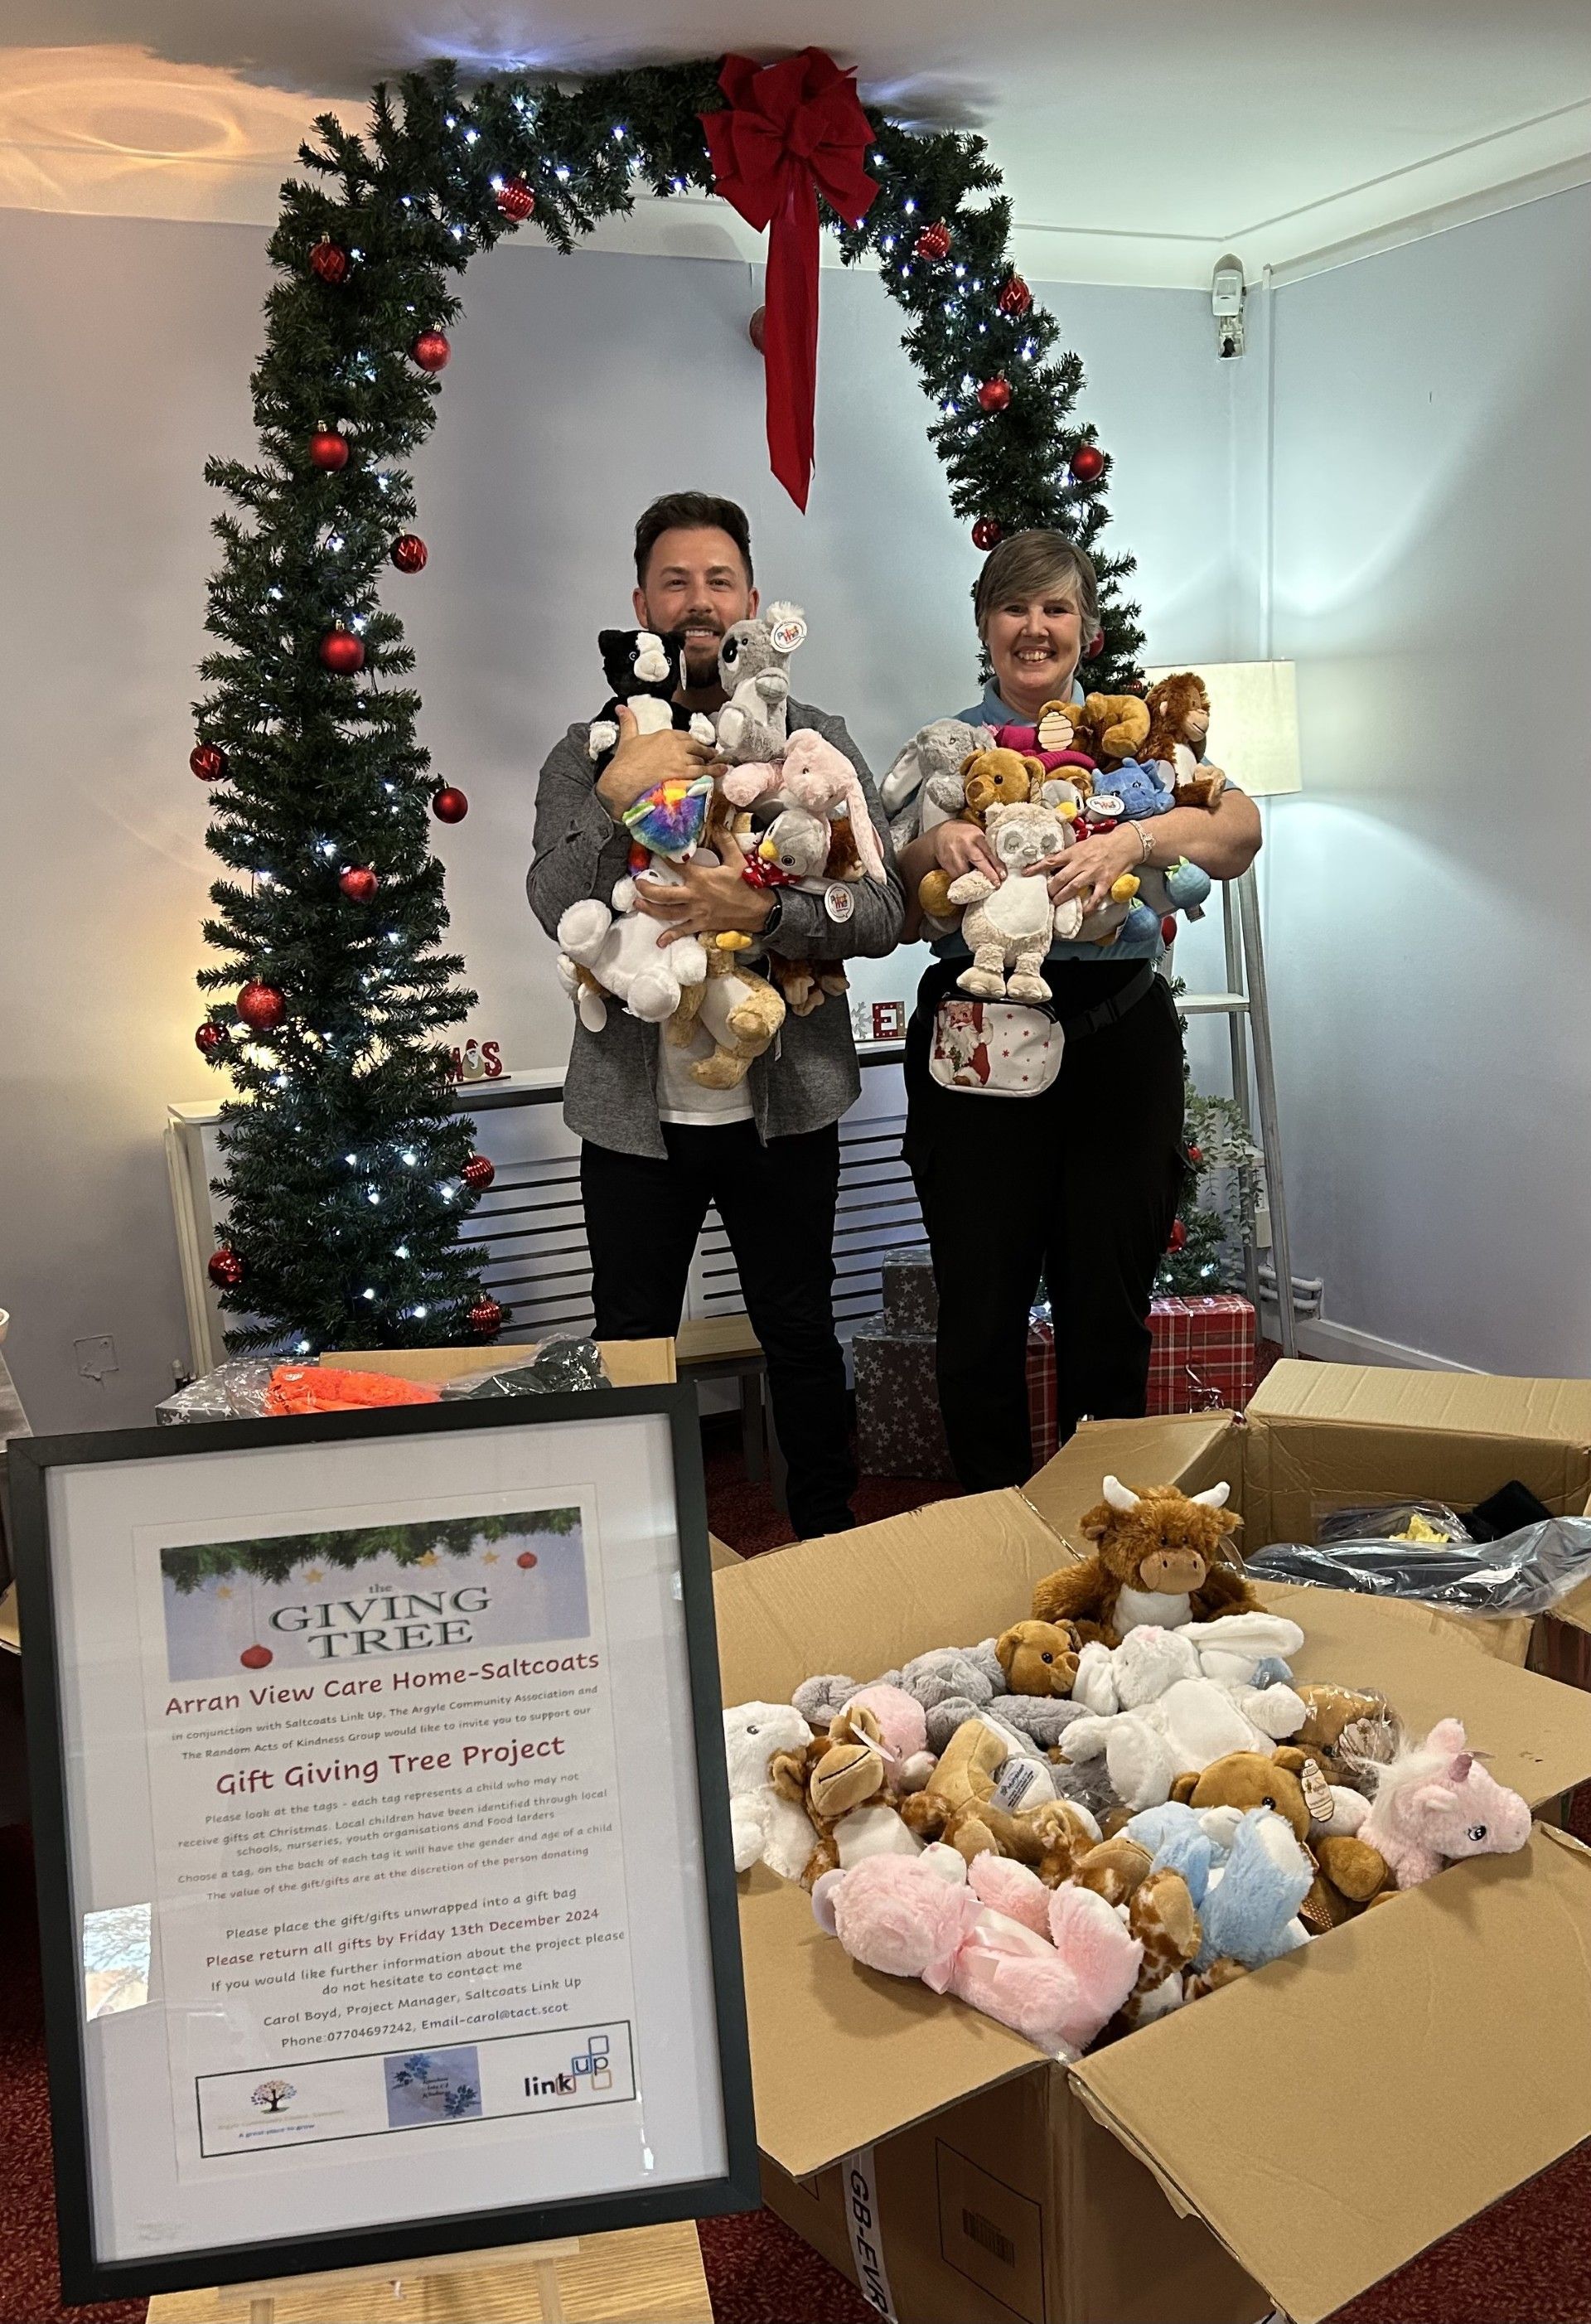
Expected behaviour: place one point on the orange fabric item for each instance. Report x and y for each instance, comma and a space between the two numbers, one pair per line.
326, 1388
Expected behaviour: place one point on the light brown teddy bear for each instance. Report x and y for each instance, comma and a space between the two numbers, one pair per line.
1039, 1657
1109, 727
1349, 1731
1179, 723
997, 778
1349, 1873
1158, 1560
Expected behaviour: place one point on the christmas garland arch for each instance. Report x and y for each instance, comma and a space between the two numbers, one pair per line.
347, 1174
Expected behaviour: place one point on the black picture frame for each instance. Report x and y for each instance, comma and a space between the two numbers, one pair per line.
85, 2276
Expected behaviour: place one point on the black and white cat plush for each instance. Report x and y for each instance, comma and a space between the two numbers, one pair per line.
644, 671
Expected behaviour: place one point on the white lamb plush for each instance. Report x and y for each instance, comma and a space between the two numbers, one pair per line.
1168, 1701
766, 1828
619, 950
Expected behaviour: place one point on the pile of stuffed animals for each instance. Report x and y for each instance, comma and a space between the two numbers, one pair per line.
786, 808
1081, 768
1119, 1805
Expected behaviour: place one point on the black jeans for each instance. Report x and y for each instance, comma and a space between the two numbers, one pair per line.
1081, 1184
777, 1202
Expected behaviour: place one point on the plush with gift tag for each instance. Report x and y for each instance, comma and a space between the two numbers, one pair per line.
1167, 1701
1348, 1732
1010, 929
1331, 1824
1157, 1559
753, 667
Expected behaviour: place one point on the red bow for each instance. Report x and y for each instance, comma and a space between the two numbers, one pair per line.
790, 130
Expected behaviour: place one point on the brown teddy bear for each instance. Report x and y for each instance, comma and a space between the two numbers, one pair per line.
1349, 1873
1158, 1560
1109, 727
996, 777
1349, 1731
1179, 723
1039, 1657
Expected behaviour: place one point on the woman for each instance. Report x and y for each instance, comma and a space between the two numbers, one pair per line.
1079, 1182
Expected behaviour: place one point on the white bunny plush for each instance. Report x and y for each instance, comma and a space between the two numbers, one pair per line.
1167, 1702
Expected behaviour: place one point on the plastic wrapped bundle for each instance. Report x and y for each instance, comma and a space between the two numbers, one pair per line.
558, 1365
1525, 1573
233, 1391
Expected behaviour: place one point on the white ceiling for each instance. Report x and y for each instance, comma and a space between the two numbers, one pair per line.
1138, 138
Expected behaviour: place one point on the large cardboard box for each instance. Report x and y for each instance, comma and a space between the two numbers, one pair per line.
631, 1363
1274, 2145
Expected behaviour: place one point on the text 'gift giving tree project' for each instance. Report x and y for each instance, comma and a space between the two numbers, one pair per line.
347, 1174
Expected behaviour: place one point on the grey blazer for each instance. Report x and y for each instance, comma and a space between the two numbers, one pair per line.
810, 1076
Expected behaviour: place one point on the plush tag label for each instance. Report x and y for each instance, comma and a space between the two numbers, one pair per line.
1317, 1794
1015, 1784
787, 635
839, 902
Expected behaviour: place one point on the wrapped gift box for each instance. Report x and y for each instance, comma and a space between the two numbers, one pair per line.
911, 1300
1204, 1353
899, 1429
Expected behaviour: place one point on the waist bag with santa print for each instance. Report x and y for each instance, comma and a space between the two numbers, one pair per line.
1012, 1048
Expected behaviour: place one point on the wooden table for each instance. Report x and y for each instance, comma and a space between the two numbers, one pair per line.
642, 2275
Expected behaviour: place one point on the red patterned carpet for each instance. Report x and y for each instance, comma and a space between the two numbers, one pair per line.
1528, 2261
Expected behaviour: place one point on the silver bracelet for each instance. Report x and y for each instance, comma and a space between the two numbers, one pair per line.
1146, 842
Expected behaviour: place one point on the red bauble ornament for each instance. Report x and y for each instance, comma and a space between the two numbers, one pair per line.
410, 553
431, 351
478, 1174
1168, 929
486, 1319
515, 200
342, 651
995, 394
256, 1658
1016, 298
359, 884
328, 450
226, 1270
1179, 1236
527, 1557
935, 241
1087, 463
208, 762
986, 532
209, 1038
757, 328
262, 1007
449, 804
328, 263
1195, 1154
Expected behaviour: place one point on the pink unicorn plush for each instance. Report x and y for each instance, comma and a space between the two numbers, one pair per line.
1435, 1803
918, 1916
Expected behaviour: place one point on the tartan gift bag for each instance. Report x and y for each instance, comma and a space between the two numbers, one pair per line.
1203, 1355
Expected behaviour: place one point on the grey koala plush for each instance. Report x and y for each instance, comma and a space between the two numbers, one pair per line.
753, 665
820, 1699
931, 765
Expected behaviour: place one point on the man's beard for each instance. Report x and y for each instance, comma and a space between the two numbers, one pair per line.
702, 661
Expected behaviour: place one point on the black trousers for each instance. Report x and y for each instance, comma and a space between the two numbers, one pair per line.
777, 1202
1079, 1183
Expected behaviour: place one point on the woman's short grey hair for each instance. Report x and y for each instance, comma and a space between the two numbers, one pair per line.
1037, 563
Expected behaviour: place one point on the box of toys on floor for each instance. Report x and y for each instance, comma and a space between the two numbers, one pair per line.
899, 1431
1126, 1941
1203, 1353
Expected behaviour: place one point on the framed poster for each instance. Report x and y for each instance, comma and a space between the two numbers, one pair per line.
385, 1875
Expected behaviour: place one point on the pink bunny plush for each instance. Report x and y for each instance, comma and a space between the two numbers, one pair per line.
917, 1916
813, 774
1435, 1803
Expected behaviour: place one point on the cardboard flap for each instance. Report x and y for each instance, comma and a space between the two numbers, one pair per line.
1469, 1404
861, 1603
1153, 1452
1346, 2108
1536, 1734
631, 1363
841, 2057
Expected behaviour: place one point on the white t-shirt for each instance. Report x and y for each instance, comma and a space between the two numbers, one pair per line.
685, 1101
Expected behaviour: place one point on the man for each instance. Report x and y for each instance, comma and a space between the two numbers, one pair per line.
656, 1148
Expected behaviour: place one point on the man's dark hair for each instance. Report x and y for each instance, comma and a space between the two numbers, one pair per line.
693, 510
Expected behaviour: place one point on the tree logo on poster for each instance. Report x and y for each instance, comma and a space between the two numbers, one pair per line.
272, 2095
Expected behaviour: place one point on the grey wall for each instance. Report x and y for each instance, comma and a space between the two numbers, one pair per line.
1430, 940
579, 388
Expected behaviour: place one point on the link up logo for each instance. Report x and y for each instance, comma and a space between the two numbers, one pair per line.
593, 2067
